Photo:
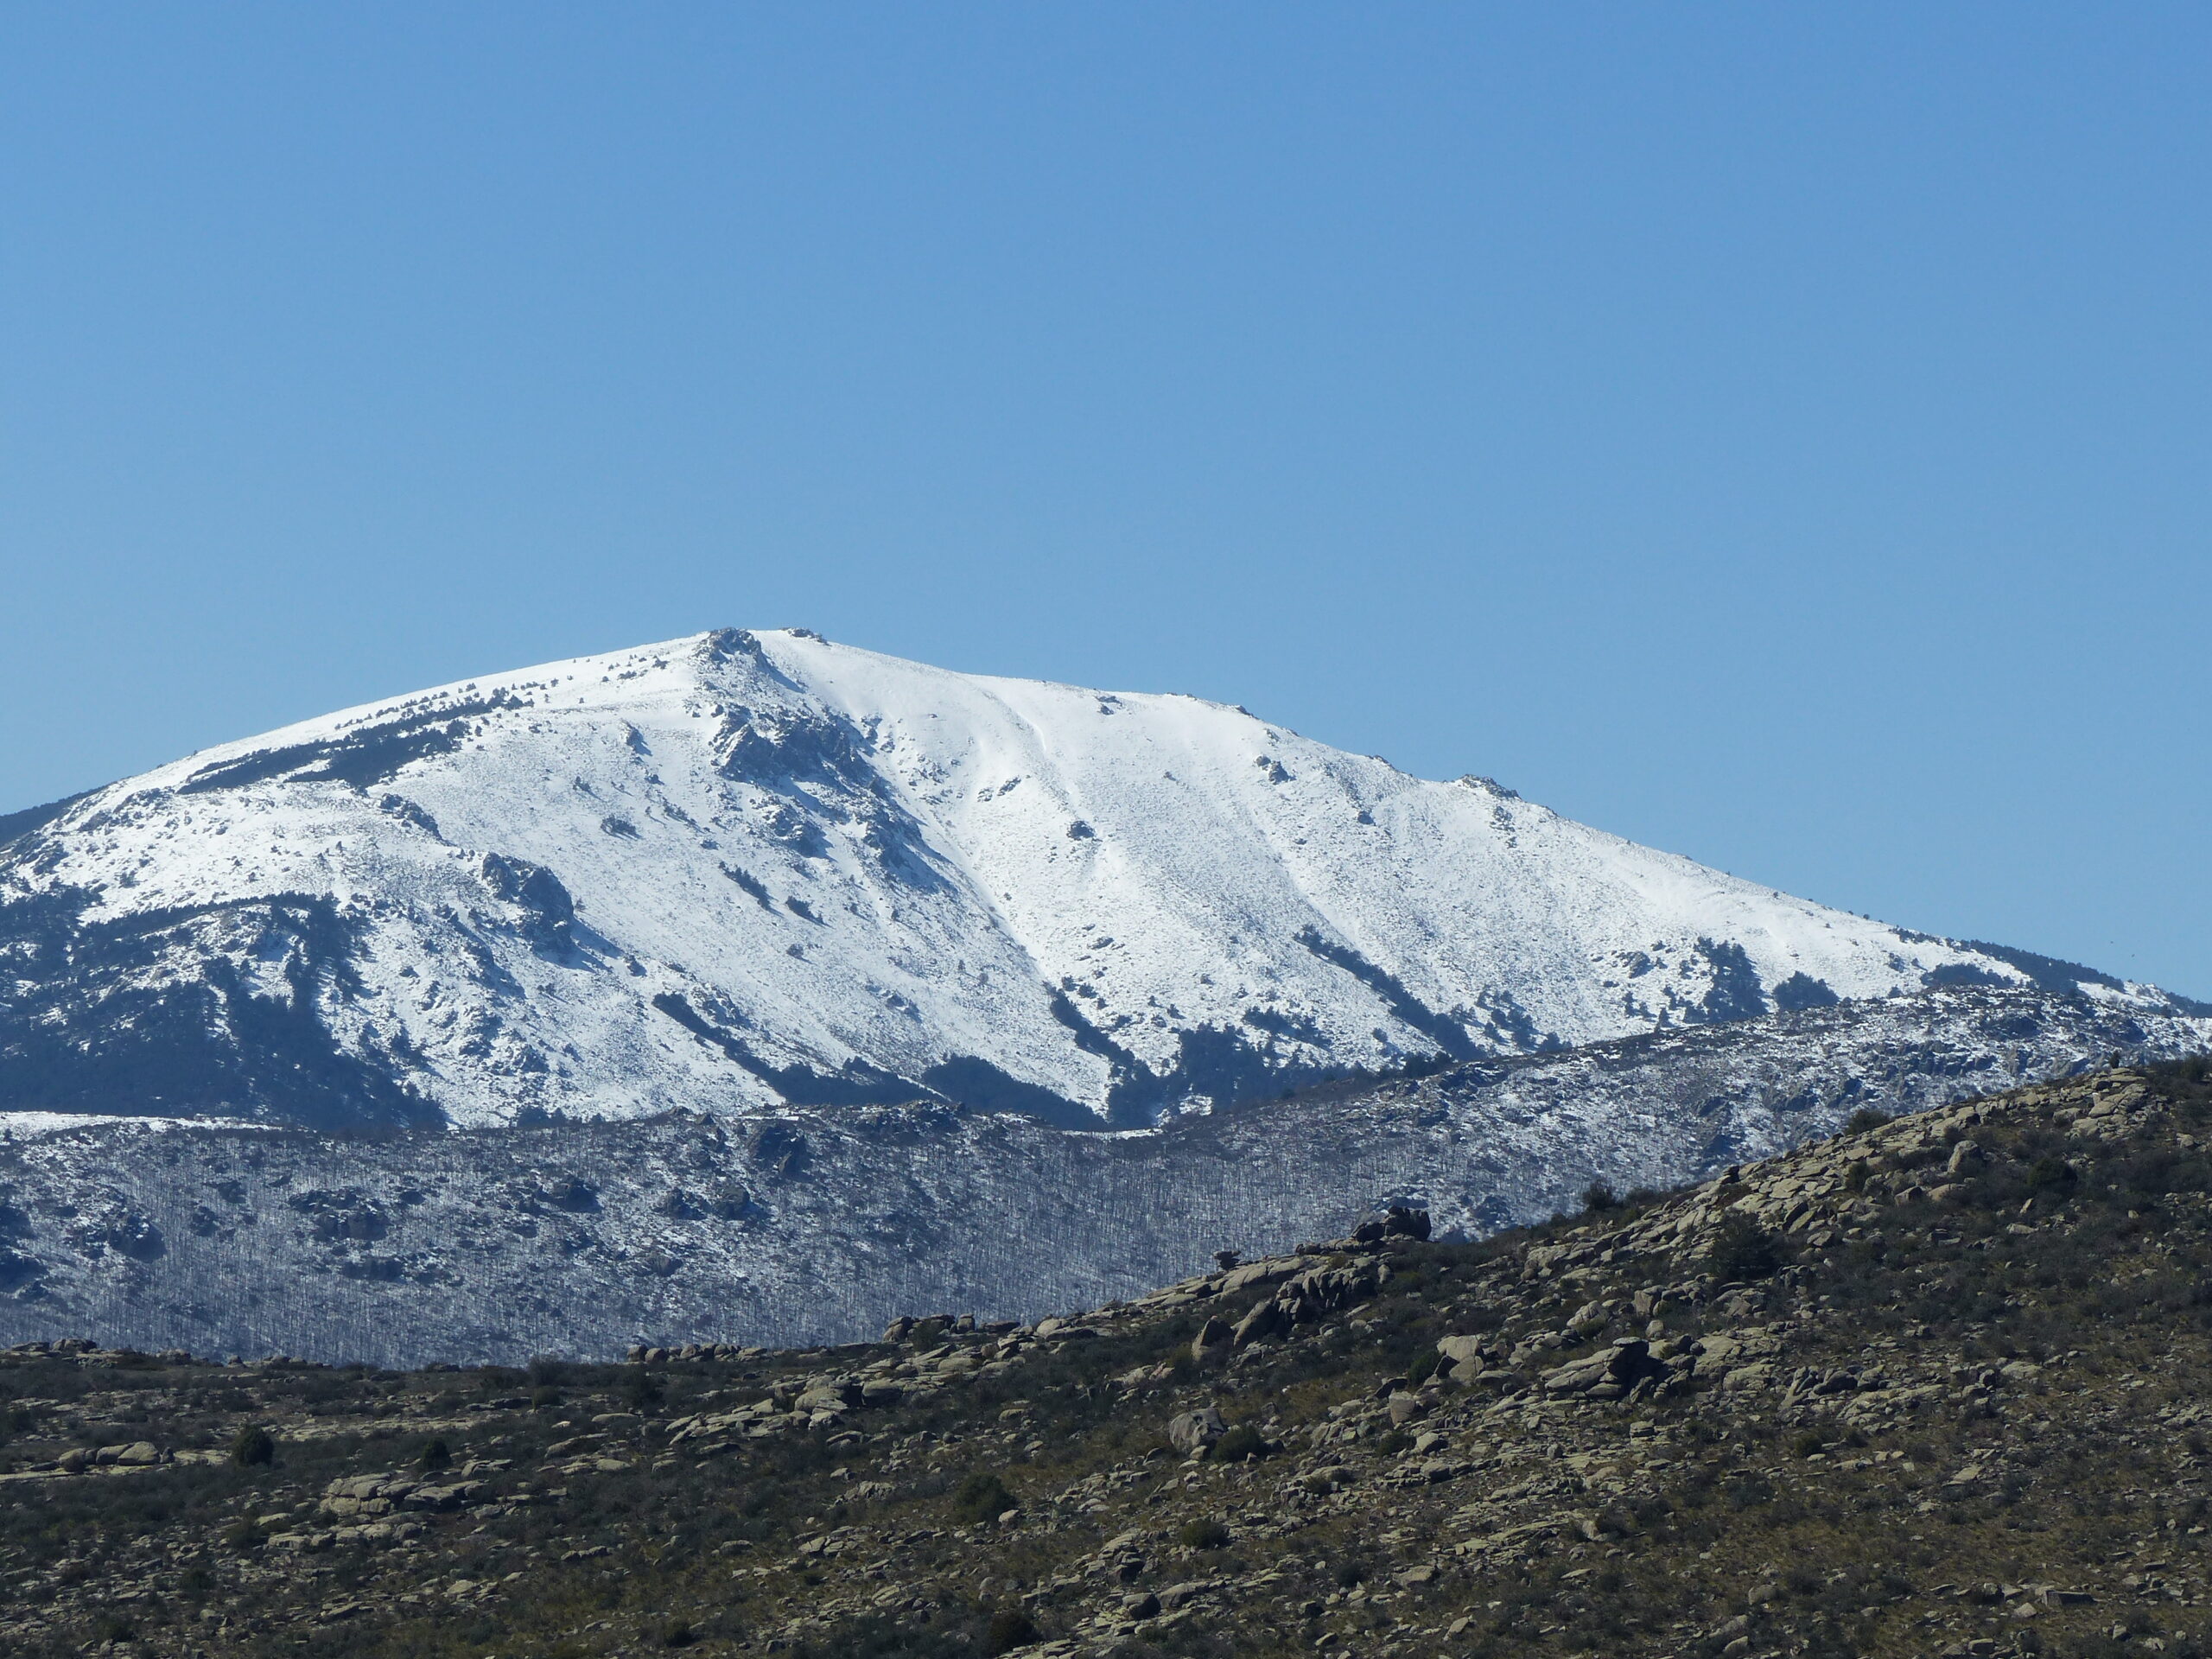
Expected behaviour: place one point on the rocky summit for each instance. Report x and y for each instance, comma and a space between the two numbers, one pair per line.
1928, 1385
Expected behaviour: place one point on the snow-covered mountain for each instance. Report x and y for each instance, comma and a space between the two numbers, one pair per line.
740, 870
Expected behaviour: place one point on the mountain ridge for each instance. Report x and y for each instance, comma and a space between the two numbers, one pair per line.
739, 872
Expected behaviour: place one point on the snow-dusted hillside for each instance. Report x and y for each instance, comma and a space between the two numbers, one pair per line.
742, 870
820, 1223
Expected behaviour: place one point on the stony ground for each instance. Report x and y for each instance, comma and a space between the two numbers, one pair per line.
1929, 1387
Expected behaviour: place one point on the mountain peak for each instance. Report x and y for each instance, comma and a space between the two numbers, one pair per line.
743, 869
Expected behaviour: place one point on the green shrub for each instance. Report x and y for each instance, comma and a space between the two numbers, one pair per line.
435, 1456
1597, 1196
2049, 1174
252, 1446
1424, 1365
1202, 1534
1743, 1250
1240, 1445
1864, 1119
981, 1496
1010, 1628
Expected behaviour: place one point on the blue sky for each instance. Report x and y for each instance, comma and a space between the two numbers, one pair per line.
1778, 434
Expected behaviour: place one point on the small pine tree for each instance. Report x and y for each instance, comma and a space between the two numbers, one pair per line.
1743, 1250
1010, 1628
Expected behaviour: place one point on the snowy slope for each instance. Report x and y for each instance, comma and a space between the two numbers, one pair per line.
737, 870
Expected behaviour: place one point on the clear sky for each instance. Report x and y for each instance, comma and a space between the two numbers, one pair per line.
1775, 433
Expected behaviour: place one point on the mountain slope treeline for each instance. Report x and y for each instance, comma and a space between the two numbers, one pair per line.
819, 1224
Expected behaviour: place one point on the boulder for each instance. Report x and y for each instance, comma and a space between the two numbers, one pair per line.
1320, 1291
1211, 1335
1630, 1361
457, 1495
1718, 1352
1609, 1375
1265, 1320
1258, 1273
1575, 1375
1194, 1431
1399, 1220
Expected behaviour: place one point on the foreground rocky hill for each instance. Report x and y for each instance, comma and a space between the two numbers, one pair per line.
807, 1226
1932, 1386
